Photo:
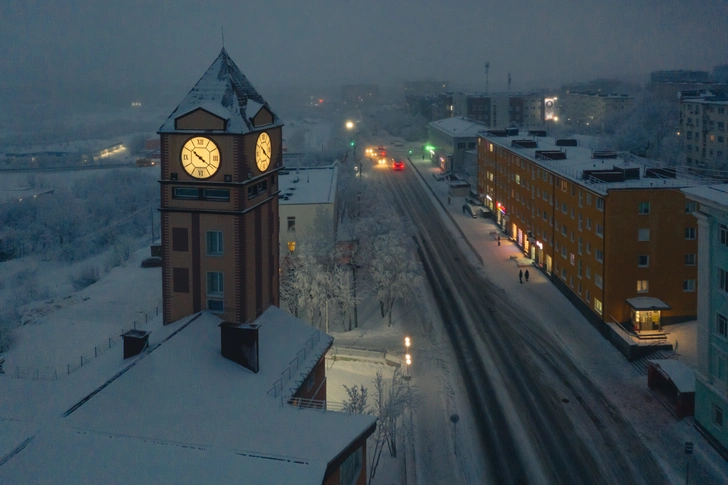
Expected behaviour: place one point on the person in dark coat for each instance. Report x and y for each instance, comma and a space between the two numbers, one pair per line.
526, 276
498, 240
520, 275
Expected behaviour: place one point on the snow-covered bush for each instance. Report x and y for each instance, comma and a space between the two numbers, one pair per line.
86, 277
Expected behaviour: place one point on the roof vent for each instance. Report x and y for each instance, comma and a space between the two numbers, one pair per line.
239, 343
567, 142
135, 341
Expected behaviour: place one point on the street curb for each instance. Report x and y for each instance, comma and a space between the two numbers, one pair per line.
452, 219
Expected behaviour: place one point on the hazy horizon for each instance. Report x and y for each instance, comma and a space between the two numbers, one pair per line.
116, 46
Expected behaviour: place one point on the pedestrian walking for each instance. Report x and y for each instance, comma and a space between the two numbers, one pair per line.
526, 276
520, 275
498, 240
448, 201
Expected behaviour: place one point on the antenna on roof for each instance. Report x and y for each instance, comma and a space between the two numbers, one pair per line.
487, 67
222, 32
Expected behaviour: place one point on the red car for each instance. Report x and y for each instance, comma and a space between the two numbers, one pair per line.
398, 165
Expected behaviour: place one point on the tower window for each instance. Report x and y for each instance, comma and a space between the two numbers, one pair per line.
214, 243
215, 283
180, 280
291, 224
179, 239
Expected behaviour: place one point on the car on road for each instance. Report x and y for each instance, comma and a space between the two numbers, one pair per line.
470, 210
398, 165
152, 262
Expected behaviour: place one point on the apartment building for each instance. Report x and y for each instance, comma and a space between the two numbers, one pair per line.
711, 383
613, 232
501, 111
704, 129
425, 88
590, 110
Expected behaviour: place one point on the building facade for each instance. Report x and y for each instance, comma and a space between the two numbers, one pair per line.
450, 138
703, 130
711, 384
609, 231
589, 111
523, 110
425, 88
308, 205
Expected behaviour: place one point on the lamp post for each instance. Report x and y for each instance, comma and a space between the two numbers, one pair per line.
350, 125
407, 356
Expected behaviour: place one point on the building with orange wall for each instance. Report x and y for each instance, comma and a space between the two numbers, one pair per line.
613, 232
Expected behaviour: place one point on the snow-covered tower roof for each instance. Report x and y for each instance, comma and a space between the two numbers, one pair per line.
225, 92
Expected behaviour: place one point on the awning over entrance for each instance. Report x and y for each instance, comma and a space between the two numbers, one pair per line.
642, 303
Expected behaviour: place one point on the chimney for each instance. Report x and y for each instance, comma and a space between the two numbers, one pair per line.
239, 343
135, 341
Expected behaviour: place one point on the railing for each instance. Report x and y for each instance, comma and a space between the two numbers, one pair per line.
294, 365
53, 373
323, 405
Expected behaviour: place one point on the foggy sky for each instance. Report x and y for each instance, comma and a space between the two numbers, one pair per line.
56, 44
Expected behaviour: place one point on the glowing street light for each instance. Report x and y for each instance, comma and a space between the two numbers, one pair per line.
408, 361
407, 342
349, 125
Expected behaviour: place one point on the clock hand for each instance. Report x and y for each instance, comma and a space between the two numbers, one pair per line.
203, 160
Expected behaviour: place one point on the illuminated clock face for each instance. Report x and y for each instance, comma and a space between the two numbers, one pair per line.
262, 152
200, 157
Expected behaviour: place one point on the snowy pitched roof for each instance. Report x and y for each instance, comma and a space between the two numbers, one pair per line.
458, 127
183, 413
716, 195
225, 92
311, 185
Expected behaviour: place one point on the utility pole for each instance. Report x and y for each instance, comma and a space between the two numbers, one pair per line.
487, 67
509, 82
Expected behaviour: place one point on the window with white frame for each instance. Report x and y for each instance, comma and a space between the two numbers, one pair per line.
588, 248
644, 208
291, 224
563, 273
689, 233
643, 234
572, 259
721, 325
599, 230
215, 283
689, 285
588, 296
598, 280
723, 280
563, 252
588, 272
642, 286
214, 243
588, 223
579, 271
600, 204
690, 260
724, 235
578, 247
599, 255
580, 222
691, 207
719, 365
588, 198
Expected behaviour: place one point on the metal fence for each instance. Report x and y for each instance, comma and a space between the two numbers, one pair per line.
294, 365
52, 373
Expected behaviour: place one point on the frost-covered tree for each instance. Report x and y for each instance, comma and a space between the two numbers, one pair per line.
394, 270
391, 399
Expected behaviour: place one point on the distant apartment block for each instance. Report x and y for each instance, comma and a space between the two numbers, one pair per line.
589, 111
358, 95
720, 74
501, 111
668, 84
422, 105
425, 88
711, 383
599, 86
703, 130
679, 76
611, 231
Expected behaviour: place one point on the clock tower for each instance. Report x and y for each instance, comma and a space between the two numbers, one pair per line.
221, 150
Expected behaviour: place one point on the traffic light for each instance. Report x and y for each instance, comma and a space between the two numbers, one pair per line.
410, 152
352, 142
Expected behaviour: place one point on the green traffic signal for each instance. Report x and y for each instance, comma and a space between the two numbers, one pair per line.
352, 143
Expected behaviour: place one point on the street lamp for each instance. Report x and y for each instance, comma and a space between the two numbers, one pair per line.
407, 356
350, 125
291, 246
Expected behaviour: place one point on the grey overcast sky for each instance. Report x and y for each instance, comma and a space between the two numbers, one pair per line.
120, 43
